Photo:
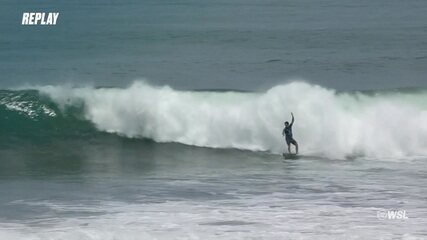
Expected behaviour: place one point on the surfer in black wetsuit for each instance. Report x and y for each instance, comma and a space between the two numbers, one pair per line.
287, 131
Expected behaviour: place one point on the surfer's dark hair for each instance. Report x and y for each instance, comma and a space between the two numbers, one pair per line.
286, 122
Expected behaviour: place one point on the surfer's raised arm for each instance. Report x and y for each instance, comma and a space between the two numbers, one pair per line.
293, 119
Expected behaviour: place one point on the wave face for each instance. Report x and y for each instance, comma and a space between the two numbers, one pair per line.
331, 124
29, 114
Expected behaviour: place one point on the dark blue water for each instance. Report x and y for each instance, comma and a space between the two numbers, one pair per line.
218, 44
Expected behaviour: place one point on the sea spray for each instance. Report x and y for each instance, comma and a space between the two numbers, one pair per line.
327, 123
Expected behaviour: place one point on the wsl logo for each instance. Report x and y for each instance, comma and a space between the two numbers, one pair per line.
40, 18
392, 214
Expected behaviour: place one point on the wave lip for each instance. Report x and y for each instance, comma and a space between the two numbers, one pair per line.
327, 123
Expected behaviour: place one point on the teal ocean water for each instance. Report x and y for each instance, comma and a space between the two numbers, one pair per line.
162, 119
238, 44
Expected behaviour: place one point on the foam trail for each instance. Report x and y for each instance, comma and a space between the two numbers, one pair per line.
327, 123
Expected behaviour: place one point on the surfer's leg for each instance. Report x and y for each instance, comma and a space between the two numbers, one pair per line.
296, 147
288, 142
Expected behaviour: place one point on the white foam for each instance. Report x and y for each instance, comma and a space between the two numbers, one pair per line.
274, 216
327, 123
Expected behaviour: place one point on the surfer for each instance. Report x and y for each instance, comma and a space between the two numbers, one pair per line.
287, 131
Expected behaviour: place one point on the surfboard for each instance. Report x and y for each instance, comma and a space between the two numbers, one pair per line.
290, 155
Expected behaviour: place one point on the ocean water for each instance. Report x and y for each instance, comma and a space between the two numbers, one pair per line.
147, 162
149, 119
226, 44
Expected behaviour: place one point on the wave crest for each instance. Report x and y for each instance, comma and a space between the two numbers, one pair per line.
327, 123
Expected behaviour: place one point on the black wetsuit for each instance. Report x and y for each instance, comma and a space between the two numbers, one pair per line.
288, 133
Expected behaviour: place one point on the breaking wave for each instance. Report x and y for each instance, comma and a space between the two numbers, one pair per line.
332, 124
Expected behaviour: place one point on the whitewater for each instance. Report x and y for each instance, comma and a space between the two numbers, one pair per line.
376, 124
